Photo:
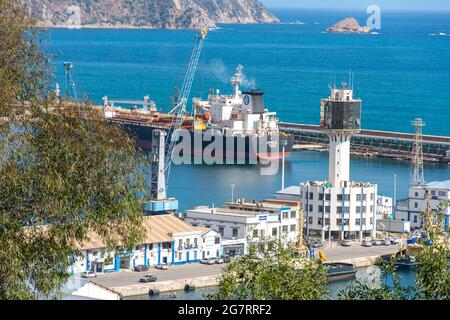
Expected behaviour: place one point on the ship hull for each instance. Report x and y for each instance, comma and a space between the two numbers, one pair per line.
215, 148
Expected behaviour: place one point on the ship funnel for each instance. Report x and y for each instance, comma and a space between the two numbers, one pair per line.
254, 101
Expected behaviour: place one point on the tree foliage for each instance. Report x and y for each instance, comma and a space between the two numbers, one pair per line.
65, 173
271, 272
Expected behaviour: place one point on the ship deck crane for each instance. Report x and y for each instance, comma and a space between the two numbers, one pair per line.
162, 157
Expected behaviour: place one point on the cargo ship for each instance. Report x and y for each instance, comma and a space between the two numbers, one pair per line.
224, 129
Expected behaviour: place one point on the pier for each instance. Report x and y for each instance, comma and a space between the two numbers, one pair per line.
372, 143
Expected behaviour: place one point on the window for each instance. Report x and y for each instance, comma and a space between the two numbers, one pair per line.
285, 215
311, 196
339, 209
221, 230
339, 222
433, 192
320, 196
319, 221
195, 243
416, 194
358, 222
311, 208
274, 232
372, 196
415, 219
255, 233
293, 214
327, 221
347, 209
320, 208
167, 245
371, 220
371, 209
347, 197
416, 205
138, 248
292, 227
310, 220
442, 193
235, 232
194, 225
339, 197
217, 240
328, 197
327, 209
180, 256
285, 229
358, 209
180, 244
358, 197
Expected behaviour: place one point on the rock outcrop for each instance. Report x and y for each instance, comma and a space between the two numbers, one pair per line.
157, 14
348, 25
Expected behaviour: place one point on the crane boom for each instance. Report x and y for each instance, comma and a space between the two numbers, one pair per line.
180, 111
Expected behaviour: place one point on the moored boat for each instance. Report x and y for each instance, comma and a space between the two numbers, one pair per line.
340, 271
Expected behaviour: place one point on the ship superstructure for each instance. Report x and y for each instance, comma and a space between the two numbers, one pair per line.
238, 114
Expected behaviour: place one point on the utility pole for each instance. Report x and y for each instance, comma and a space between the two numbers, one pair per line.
417, 175
394, 204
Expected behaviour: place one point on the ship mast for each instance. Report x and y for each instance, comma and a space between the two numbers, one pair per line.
236, 80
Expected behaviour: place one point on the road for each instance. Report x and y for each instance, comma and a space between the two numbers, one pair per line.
126, 278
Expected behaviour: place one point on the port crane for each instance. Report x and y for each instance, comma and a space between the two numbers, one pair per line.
162, 156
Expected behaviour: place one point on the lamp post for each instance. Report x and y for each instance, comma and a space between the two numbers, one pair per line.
394, 204
284, 143
232, 192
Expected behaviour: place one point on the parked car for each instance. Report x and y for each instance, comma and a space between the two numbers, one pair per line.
318, 244
140, 268
346, 243
386, 242
162, 266
395, 241
89, 274
376, 242
226, 259
219, 261
366, 243
209, 261
148, 278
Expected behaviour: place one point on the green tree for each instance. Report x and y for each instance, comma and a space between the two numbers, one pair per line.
271, 272
64, 172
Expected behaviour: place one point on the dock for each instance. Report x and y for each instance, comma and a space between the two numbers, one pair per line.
373, 143
126, 283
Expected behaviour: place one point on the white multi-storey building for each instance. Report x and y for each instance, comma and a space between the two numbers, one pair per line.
411, 208
240, 221
345, 212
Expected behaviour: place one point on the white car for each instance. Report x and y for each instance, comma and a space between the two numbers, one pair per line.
162, 266
366, 243
89, 274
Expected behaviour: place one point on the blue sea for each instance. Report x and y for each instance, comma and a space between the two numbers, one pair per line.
401, 73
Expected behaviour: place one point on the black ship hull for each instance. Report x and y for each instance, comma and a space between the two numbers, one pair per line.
197, 147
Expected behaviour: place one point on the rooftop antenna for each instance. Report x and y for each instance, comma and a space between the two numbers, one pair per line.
417, 174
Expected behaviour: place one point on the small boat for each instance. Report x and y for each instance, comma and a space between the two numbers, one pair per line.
340, 271
408, 262
172, 295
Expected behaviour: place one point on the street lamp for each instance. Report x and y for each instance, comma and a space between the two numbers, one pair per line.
283, 143
394, 205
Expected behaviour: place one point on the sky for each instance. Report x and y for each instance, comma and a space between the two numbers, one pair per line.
358, 4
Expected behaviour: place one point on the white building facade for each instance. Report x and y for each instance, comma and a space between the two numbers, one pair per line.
384, 207
168, 240
342, 213
411, 208
241, 221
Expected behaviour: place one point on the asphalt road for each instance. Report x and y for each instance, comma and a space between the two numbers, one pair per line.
126, 278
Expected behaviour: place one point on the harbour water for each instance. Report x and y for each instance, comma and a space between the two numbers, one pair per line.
401, 73
407, 278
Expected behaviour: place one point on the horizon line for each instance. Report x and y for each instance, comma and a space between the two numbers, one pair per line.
358, 9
